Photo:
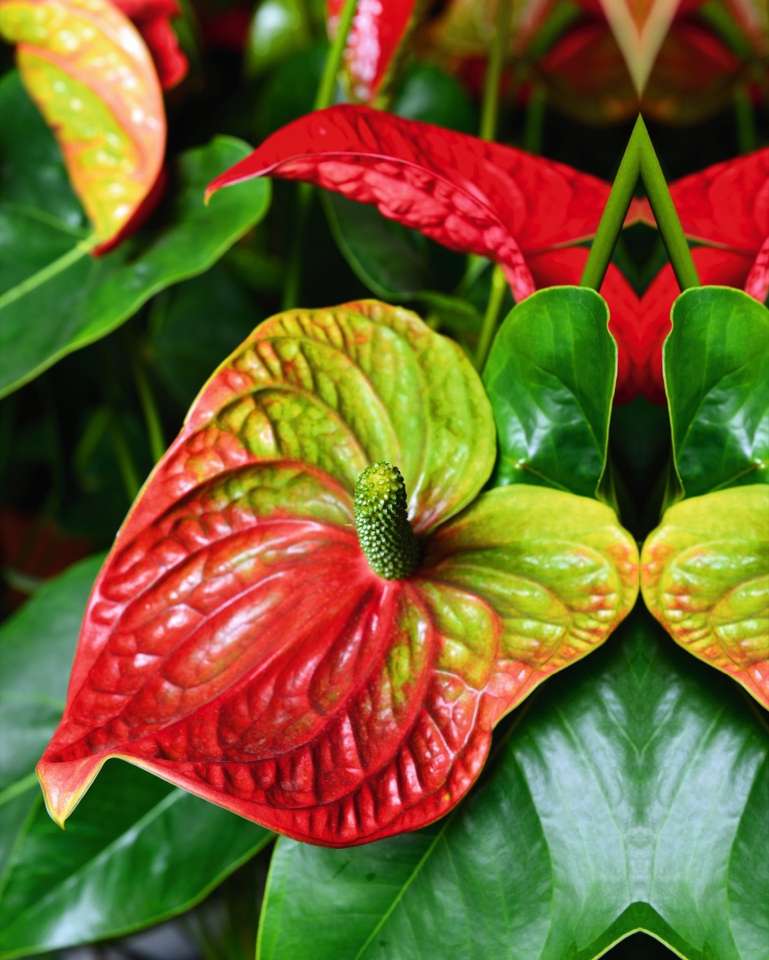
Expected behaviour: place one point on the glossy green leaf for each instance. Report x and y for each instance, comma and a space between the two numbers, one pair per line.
46, 271
184, 344
717, 381
550, 378
706, 579
140, 850
633, 794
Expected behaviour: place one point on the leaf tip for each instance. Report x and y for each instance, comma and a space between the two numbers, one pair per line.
64, 784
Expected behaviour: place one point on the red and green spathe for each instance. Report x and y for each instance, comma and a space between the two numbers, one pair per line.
312, 616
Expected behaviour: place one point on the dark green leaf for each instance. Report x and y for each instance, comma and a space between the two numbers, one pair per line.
137, 851
433, 96
550, 378
717, 382
392, 261
633, 794
185, 345
46, 271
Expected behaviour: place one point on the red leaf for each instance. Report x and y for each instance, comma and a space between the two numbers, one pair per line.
379, 29
727, 204
466, 193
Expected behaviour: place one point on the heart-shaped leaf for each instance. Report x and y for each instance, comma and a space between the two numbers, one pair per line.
632, 794
706, 579
466, 193
45, 268
550, 378
93, 79
59, 889
239, 644
717, 381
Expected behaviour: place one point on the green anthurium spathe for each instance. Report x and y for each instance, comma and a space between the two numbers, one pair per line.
705, 577
312, 616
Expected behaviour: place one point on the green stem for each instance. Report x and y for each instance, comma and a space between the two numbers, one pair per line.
323, 99
745, 120
613, 216
122, 451
491, 317
487, 131
490, 105
640, 159
333, 62
535, 120
149, 407
664, 210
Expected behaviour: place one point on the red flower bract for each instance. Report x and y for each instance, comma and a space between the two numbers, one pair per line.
466, 193
238, 644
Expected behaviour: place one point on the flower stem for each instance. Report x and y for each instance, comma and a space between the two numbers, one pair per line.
490, 317
149, 407
613, 216
323, 98
490, 105
664, 209
640, 160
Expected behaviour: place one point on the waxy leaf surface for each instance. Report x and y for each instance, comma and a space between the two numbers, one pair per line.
378, 31
550, 378
717, 381
466, 193
633, 793
706, 579
238, 644
60, 889
45, 269
93, 79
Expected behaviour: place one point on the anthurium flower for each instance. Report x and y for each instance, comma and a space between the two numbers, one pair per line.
466, 193
705, 576
379, 31
153, 20
94, 81
311, 615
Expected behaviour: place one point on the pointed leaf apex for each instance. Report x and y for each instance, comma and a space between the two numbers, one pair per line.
65, 784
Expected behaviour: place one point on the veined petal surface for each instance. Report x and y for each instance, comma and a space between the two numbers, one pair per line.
238, 644
93, 79
463, 192
705, 577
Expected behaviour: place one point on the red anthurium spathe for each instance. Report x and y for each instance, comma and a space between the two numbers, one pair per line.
291, 627
727, 207
466, 193
379, 30
94, 81
153, 20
